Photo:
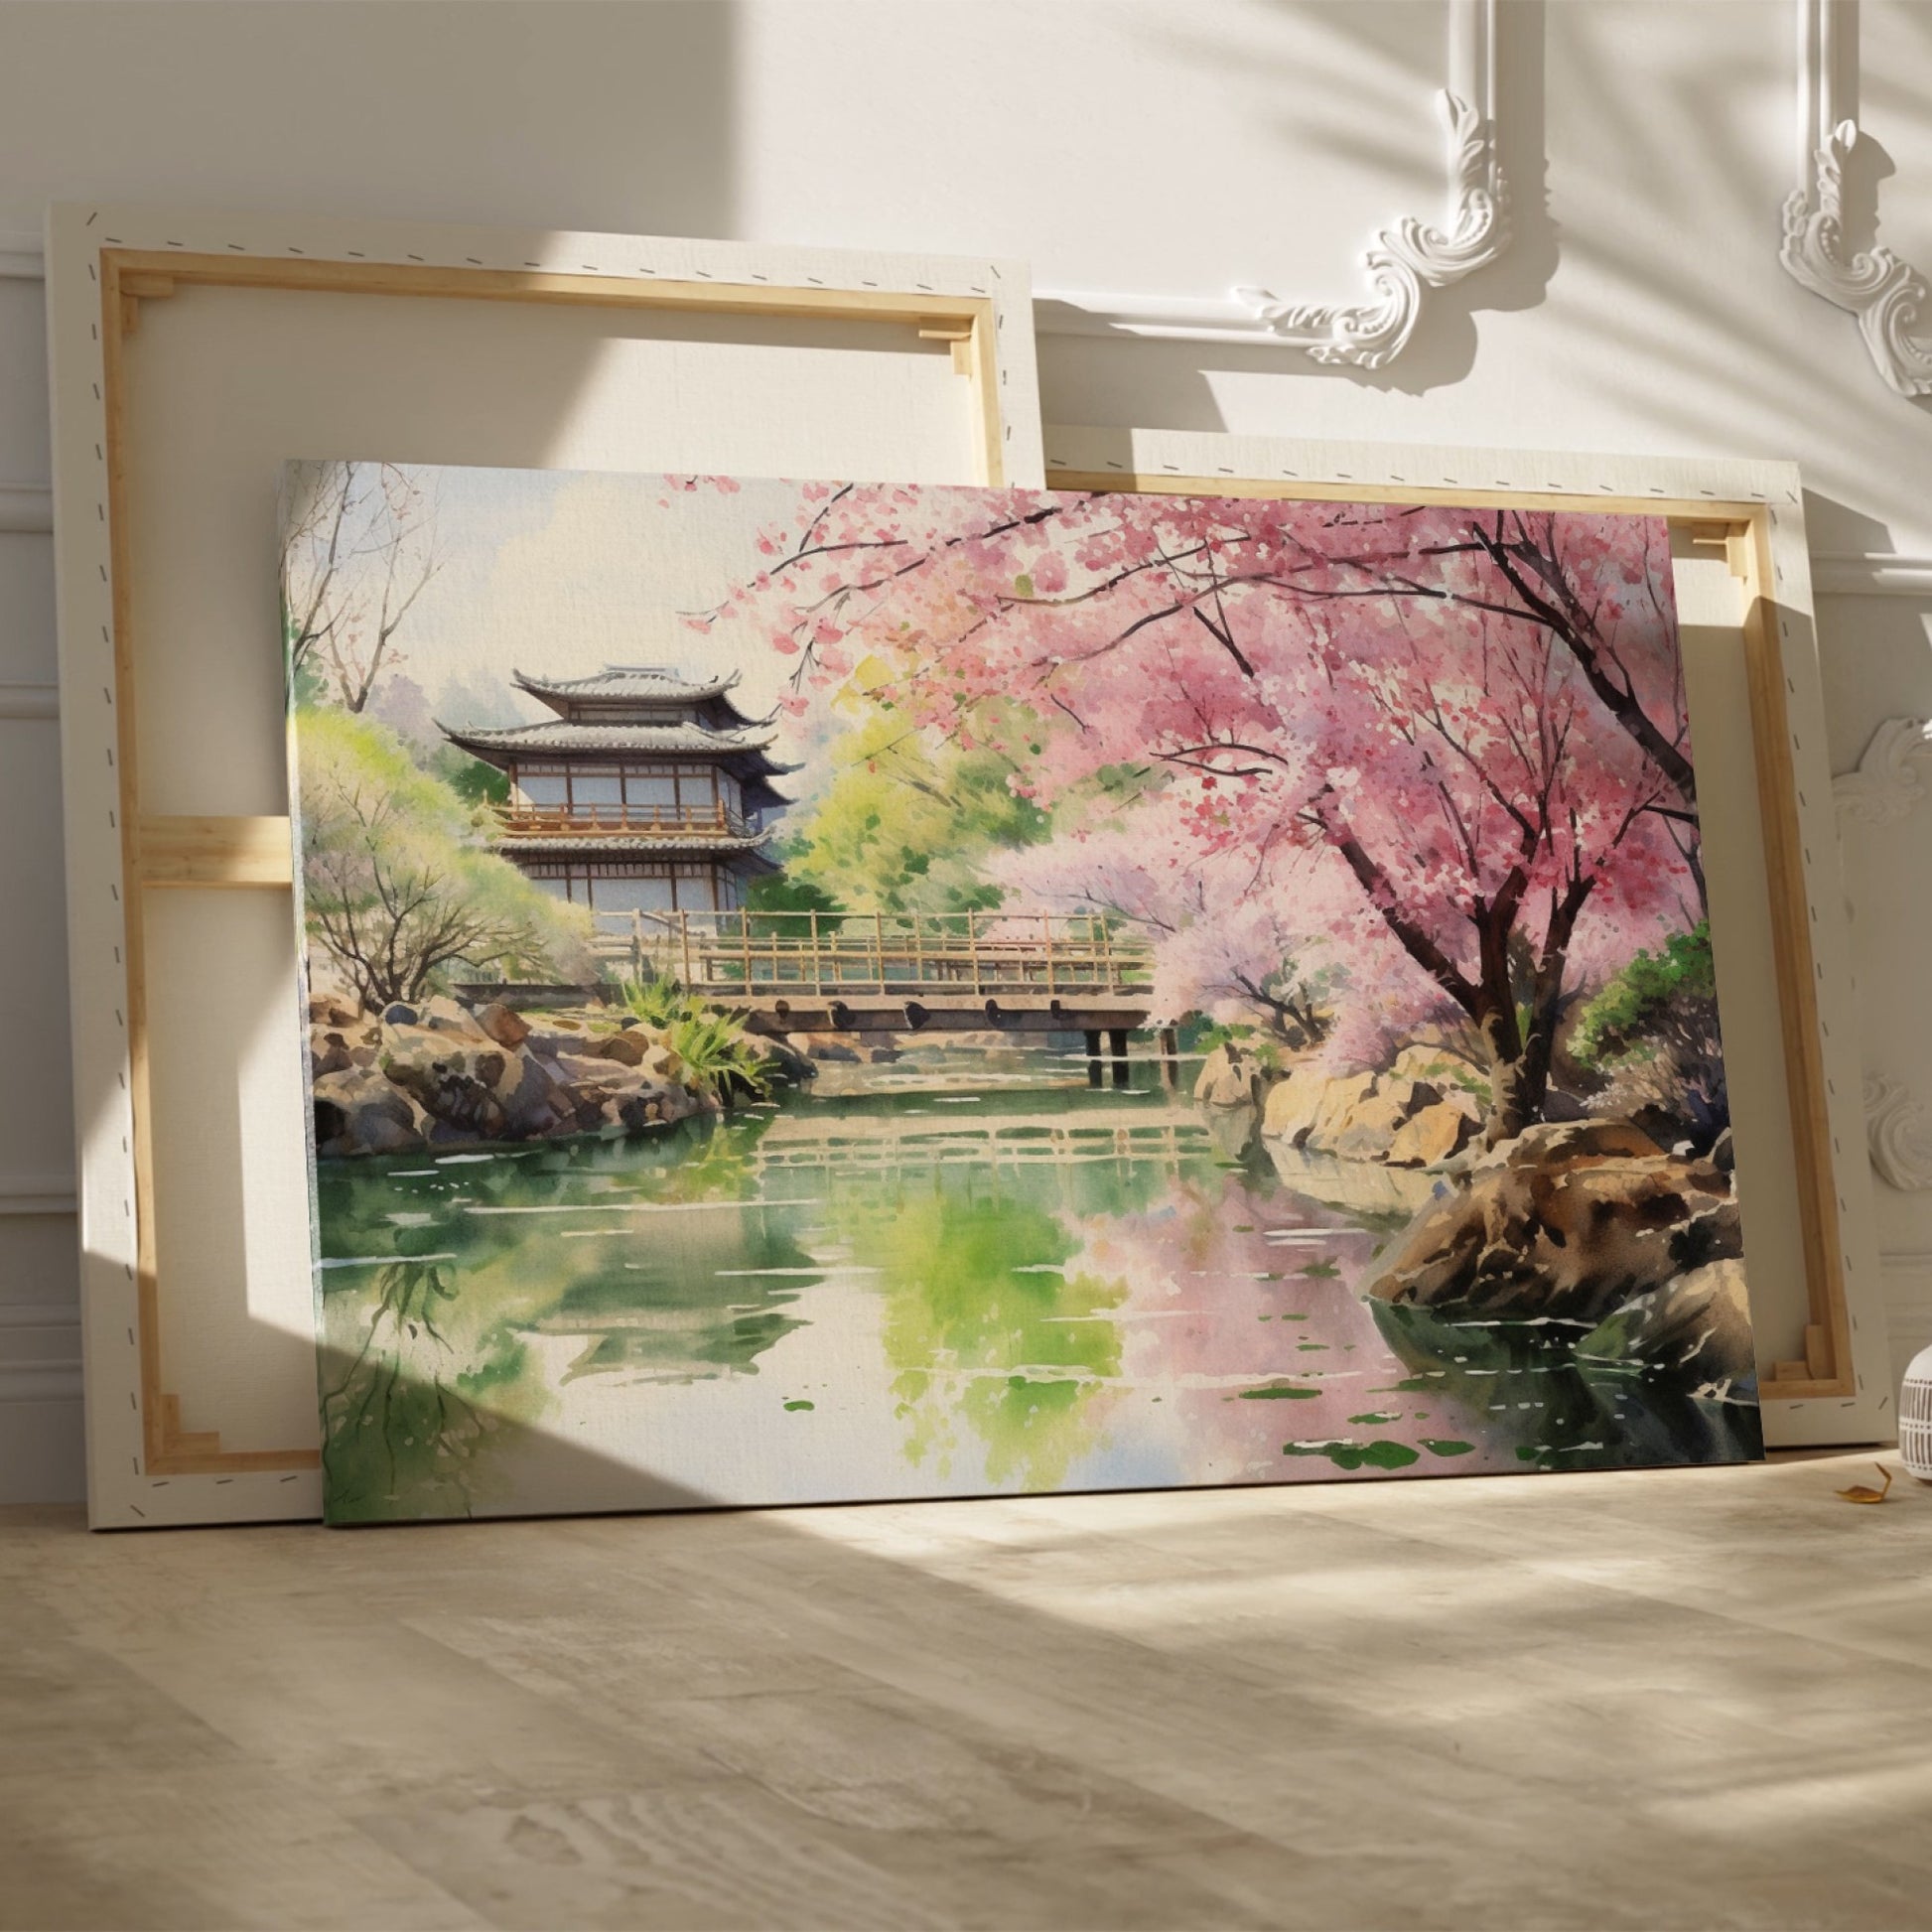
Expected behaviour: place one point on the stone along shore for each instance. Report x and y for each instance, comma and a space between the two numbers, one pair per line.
1589, 1224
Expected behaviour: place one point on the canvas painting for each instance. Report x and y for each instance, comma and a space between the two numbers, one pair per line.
822, 991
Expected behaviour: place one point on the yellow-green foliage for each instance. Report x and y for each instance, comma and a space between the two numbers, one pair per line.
399, 884
903, 827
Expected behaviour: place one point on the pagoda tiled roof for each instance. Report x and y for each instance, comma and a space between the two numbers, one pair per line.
743, 746
623, 685
592, 845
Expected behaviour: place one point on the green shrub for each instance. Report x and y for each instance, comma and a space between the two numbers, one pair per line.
1651, 1034
717, 1054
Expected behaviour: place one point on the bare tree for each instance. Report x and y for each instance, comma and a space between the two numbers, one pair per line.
358, 549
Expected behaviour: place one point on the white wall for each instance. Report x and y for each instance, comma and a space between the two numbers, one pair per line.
1120, 145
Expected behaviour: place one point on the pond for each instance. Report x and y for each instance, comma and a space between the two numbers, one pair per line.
959, 1272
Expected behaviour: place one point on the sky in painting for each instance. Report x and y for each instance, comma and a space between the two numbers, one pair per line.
556, 572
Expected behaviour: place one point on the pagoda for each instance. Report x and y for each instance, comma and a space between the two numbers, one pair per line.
646, 793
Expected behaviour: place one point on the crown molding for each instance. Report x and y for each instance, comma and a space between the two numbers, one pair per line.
1885, 293
1405, 262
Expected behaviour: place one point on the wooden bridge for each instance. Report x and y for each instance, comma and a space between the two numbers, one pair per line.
902, 972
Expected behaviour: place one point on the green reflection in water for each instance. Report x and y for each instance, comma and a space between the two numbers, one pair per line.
985, 1328
1018, 1287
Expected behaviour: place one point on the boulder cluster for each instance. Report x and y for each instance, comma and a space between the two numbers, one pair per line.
434, 1074
1415, 1115
1593, 1224
1588, 1222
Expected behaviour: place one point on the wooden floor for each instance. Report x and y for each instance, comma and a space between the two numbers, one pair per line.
1694, 1699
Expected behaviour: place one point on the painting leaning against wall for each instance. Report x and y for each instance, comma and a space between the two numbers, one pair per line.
823, 991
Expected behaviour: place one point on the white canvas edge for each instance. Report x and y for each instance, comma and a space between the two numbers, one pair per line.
120, 1495
1868, 1415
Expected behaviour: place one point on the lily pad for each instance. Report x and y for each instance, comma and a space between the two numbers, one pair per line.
1382, 1453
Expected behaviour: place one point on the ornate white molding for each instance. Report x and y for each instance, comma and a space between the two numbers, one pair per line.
1887, 786
1888, 295
1887, 783
1898, 1131
1405, 262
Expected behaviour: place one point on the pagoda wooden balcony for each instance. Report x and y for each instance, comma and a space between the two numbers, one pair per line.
602, 821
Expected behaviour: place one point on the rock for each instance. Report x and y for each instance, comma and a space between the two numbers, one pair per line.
628, 1046
329, 1053
1552, 1142
357, 1111
452, 1079
606, 1093
1361, 1124
1723, 1155
638, 1047
505, 1025
398, 1015
324, 1009
1695, 1329
1432, 1133
444, 1016
1563, 1221
534, 1106
1440, 1068
560, 1036
779, 1060
1292, 1105
1227, 1078
1341, 1100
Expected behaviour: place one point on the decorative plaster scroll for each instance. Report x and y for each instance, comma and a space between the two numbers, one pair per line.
1886, 785
1900, 1134
1888, 296
1404, 262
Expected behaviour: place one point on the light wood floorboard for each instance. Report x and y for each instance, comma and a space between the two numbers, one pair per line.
1675, 1699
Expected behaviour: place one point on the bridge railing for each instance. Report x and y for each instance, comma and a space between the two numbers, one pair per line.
896, 954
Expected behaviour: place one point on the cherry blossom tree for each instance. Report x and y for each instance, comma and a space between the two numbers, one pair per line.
1447, 748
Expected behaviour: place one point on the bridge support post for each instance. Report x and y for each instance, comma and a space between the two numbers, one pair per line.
1170, 1058
1093, 1057
1117, 1045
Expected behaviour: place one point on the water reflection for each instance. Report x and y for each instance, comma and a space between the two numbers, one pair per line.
956, 1277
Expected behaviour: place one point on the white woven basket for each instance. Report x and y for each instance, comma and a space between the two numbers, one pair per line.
1915, 1416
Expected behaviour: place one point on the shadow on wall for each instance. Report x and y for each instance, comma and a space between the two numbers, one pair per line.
416, 113
1328, 110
